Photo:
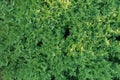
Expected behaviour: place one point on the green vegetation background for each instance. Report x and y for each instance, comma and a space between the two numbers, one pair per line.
59, 39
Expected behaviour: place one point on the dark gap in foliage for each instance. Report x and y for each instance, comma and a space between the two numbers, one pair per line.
44, 3
61, 17
118, 23
77, 70
68, 76
33, 57
54, 32
2, 39
43, 57
76, 0
8, 2
114, 59
117, 38
10, 23
115, 78
16, 64
9, 62
52, 77
87, 6
98, 47
101, 13
75, 10
12, 48
87, 66
24, 39
1, 19
65, 53
67, 32
113, 25
87, 79
65, 73
101, 5
33, 21
40, 43
114, 18
22, 58
111, 37
15, 79
48, 69
72, 78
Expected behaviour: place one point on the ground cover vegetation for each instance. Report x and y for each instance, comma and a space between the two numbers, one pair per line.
59, 39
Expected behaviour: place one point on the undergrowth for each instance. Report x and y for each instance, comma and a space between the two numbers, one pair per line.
59, 40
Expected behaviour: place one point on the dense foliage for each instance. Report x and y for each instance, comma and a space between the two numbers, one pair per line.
59, 39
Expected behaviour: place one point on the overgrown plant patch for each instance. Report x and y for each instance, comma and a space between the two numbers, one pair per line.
59, 40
